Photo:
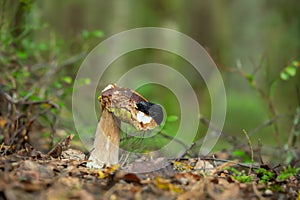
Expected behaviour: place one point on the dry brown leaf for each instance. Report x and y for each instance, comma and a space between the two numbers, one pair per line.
225, 165
195, 192
203, 166
64, 144
223, 190
131, 178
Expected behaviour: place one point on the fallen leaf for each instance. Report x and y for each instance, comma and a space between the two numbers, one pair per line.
131, 178
162, 183
181, 166
203, 166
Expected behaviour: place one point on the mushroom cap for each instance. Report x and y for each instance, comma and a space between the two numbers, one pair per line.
154, 110
131, 107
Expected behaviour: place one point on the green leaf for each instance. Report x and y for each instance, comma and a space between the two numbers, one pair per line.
67, 79
296, 63
92, 34
57, 84
97, 33
284, 76
291, 70
22, 55
35, 98
250, 78
61, 104
87, 81
43, 47
172, 118
242, 154
239, 153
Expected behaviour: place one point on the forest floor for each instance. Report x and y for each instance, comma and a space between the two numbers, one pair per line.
62, 174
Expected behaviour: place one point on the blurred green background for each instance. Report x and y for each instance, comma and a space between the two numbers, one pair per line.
255, 44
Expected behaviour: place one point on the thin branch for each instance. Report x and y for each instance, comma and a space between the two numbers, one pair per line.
270, 104
23, 102
175, 139
261, 161
228, 137
223, 160
262, 126
251, 149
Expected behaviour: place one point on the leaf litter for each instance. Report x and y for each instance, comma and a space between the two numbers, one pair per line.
62, 174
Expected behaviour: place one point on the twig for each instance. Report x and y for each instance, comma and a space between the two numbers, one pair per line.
262, 126
175, 139
266, 97
261, 162
165, 136
13, 126
256, 192
295, 129
207, 123
223, 160
23, 102
250, 146
263, 94
61, 146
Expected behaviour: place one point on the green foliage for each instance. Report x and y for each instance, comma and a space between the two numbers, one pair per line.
240, 175
243, 178
243, 155
250, 79
265, 175
288, 172
266, 92
67, 79
290, 70
33, 65
270, 178
92, 34
276, 188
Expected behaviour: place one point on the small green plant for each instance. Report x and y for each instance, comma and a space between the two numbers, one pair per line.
244, 178
288, 172
265, 175
240, 176
276, 188
266, 88
38, 67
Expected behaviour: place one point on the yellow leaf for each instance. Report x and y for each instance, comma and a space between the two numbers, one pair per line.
102, 175
162, 183
182, 166
112, 169
175, 189
2, 122
166, 184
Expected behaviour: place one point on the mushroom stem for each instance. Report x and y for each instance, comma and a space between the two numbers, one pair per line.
107, 140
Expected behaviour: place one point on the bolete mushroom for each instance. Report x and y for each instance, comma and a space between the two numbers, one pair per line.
120, 105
